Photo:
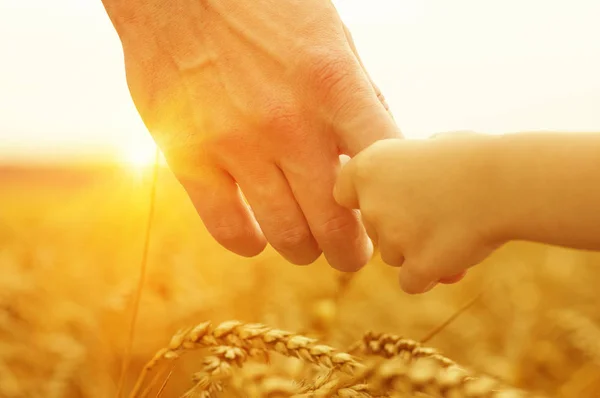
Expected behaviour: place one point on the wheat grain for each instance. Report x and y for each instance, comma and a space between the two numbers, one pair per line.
388, 378
258, 381
389, 346
433, 379
217, 368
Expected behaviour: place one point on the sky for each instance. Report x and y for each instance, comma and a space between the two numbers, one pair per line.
484, 65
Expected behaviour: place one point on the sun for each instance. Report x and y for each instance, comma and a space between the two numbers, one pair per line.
140, 152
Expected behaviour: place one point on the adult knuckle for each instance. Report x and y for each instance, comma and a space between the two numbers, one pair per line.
281, 120
279, 116
291, 238
329, 71
184, 161
225, 146
338, 224
226, 233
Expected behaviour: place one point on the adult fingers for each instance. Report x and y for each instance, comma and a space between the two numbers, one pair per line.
221, 207
338, 231
279, 215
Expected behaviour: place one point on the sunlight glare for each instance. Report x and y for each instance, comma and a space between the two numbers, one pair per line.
140, 152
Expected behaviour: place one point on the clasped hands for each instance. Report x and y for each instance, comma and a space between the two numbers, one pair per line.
252, 104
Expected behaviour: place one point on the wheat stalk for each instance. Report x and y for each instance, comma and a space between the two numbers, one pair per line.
142, 276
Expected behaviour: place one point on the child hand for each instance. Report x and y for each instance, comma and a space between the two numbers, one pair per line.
429, 205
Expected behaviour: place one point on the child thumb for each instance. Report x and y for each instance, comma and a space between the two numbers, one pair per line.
344, 191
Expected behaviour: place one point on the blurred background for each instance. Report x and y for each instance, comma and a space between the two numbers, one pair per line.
75, 186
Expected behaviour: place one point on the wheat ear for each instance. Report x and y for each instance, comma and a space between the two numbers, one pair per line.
251, 337
389, 346
431, 378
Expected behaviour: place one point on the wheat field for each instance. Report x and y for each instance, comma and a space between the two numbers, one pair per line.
214, 324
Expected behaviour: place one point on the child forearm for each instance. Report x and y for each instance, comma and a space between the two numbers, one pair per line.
549, 188
438, 207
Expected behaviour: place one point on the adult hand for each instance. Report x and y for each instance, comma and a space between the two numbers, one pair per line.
261, 95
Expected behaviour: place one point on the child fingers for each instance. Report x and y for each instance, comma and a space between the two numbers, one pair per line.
344, 190
391, 253
413, 281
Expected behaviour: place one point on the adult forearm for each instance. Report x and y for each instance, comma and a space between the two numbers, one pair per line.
550, 188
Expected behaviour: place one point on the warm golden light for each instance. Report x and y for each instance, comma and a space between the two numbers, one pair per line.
139, 152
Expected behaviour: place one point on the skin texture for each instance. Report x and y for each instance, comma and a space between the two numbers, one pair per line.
252, 103
437, 207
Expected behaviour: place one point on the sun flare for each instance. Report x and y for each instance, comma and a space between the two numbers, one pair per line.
140, 152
